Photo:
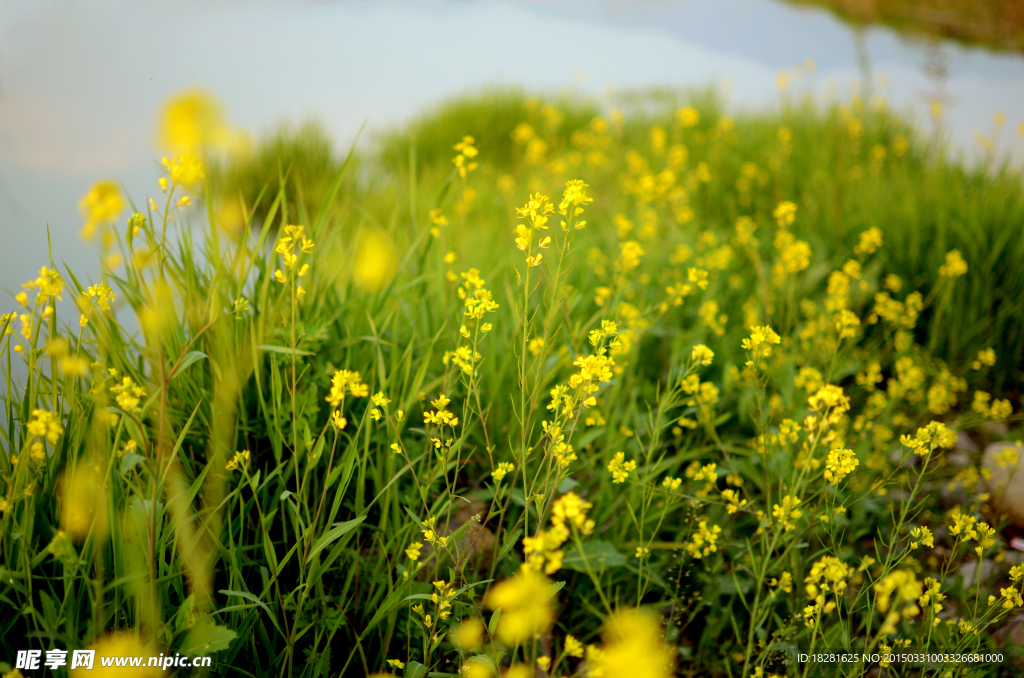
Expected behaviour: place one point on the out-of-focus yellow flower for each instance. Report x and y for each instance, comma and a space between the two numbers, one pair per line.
192, 121
231, 216
80, 501
469, 635
687, 116
785, 213
185, 169
375, 260
955, 265
118, 644
527, 609
102, 204
634, 646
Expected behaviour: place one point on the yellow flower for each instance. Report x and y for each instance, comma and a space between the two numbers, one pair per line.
466, 149
45, 425
787, 512
1011, 598
375, 260
704, 540
184, 169
634, 646
900, 587
620, 468
396, 663
922, 536
870, 240
504, 468
573, 647
733, 500
102, 204
129, 395
414, 551
240, 459
118, 644
955, 265
841, 462
438, 217
687, 116
527, 609
469, 635
81, 502
346, 381
929, 438
784, 213
702, 354
191, 122
986, 357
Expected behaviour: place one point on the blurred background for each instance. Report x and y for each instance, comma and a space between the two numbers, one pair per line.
81, 82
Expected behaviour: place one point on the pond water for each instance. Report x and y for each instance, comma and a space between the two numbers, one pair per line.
80, 82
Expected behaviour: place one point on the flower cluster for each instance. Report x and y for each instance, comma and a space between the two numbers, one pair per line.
466, 152
620, 468
929, 438
128, 394
535, 213
239, 460
900, 591
344, 382
290, 246
841, 462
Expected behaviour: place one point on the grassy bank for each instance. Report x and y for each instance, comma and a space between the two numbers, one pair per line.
694, 412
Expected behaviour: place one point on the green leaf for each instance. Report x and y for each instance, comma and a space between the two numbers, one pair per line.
334, 533
252, 598
184, 614
205, 638
600, 555
129, 461
190, 358
493, 626
415, 670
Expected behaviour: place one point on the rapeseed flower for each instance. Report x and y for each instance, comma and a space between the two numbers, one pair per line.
101, 205
375, 260
900, 591
787, 512
526, 603
620, 468
704, 540
841, 462
955, 265
503, 469
239, 460
128, 395
193, 122
467, 150
634, 646
118, 644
